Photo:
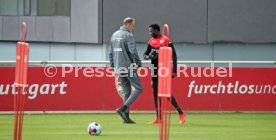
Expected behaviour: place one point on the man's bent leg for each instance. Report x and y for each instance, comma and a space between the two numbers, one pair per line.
136, 83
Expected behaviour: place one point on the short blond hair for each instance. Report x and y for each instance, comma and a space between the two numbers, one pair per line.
128, 20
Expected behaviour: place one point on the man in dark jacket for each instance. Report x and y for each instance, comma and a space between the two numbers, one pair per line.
157, 41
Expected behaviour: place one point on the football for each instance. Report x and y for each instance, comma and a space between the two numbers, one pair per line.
94, 129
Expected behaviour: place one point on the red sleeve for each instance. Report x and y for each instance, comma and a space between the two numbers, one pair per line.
168, 39
149, 42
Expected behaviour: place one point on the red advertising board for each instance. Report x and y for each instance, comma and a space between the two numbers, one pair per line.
83, 88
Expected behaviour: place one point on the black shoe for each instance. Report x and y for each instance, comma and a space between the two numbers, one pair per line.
122, 114
129, 121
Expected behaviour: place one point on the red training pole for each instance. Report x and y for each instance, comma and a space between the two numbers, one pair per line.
164, 87
22, 58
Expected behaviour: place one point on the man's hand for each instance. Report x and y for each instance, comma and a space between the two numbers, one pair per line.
147, 57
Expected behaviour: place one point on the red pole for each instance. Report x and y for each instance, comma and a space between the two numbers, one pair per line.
22, 58
164, 87
21, 113
15, 115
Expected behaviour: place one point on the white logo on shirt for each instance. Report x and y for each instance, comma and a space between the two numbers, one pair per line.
117, 49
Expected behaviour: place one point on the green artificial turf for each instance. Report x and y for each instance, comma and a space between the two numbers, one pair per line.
199, 126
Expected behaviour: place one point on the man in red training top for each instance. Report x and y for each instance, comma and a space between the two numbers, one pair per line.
157, 41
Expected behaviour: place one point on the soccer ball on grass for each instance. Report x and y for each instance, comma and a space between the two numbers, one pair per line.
94, 128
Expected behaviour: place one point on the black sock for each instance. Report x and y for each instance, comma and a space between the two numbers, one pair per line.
179, 110
123, 108
127, 115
